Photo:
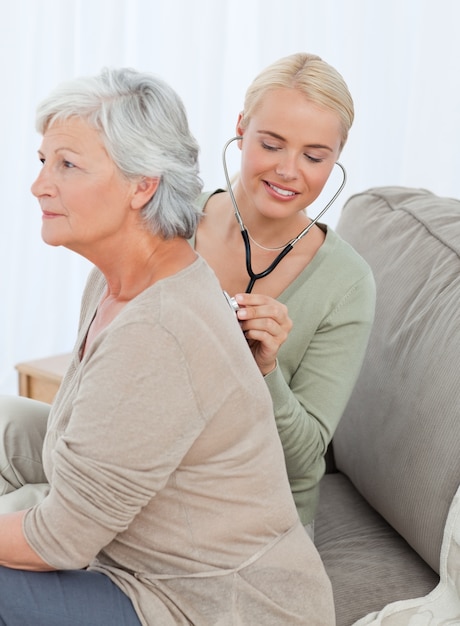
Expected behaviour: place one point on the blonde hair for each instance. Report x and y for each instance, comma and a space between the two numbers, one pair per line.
320, 82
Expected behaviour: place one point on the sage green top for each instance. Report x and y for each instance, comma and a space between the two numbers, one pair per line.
331, 304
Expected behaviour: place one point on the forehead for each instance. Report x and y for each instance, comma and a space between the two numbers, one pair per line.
73, 132
291, 109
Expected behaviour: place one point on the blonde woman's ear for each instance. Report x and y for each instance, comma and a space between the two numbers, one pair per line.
239, 126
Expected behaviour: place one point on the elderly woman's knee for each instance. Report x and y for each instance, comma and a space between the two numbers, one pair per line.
19, 412
22, 430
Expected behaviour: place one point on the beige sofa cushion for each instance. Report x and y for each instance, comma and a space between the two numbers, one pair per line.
368, 562
399, 439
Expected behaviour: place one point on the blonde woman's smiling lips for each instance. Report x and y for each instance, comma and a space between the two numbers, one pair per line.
280, 192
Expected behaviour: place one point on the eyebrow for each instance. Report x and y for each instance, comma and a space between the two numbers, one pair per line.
281, 138
67, 149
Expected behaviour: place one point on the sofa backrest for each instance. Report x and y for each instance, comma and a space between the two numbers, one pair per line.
399, 438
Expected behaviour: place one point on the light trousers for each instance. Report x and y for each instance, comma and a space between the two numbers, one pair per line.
22, 430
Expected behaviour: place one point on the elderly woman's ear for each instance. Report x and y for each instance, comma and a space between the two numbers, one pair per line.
144, 190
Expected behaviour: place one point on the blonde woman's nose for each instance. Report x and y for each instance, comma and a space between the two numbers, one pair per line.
287, 168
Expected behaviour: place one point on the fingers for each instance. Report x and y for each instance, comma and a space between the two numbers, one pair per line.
266, 325
264, 347
266, 341
272, 315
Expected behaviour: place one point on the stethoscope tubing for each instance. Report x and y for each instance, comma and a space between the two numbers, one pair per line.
253, 276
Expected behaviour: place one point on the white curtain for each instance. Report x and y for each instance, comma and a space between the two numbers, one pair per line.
399, 57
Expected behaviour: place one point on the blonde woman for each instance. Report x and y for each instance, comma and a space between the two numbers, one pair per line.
305, 306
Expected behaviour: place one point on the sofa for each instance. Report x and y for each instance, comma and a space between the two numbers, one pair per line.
388, 525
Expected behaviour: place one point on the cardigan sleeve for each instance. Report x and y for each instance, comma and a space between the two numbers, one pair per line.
116, 453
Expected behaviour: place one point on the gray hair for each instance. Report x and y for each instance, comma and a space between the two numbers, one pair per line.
144, 127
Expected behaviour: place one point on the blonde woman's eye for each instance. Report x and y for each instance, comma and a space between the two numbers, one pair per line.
267, 146
313, 159
68, 164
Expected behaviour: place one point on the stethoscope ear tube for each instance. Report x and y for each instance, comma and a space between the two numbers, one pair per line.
228, 181
247, 245
328, 205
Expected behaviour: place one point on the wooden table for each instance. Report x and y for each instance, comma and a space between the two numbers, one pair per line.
40, 379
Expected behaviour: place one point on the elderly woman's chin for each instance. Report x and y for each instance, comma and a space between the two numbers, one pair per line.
52, 235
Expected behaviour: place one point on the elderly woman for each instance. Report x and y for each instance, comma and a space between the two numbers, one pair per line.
168, 499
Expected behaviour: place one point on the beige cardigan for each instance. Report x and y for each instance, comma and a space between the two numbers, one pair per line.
167, 472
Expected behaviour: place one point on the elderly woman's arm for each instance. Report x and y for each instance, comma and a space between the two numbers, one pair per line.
15, 552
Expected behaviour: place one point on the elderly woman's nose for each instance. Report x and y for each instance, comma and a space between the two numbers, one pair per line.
43, 184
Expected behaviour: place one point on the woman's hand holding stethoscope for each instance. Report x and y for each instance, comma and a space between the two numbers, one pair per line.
264, 320
266, 326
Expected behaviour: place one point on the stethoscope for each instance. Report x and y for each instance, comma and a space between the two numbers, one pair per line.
253, 276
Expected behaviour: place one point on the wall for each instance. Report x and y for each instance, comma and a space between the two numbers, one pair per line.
399, 58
